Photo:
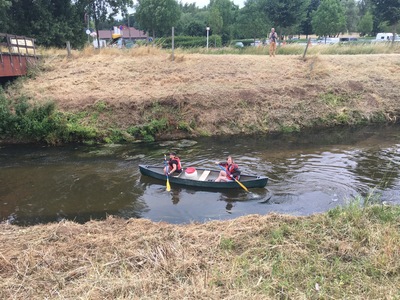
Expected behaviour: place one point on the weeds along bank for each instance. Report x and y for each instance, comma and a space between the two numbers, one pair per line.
141, 94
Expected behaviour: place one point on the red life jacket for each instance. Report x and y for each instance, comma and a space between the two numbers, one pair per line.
230, 169
178, 166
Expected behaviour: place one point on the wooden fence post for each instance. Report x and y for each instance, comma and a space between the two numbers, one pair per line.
173, 43
305, 50
69, 48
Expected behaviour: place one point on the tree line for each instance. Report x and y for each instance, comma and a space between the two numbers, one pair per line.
53, 22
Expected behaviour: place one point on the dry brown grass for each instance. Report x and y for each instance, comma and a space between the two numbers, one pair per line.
253, 257
261, 93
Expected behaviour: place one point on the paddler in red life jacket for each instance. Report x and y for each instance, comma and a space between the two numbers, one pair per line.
231, 170
174, 165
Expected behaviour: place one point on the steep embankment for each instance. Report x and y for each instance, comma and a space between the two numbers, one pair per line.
218, 94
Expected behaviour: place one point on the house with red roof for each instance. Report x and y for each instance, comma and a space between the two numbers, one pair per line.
127, 33
120, 36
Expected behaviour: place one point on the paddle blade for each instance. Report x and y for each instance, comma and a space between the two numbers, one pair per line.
168, 186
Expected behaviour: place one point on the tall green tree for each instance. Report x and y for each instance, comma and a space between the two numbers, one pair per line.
228, 11
387, 11
352, 15
306, 26
195, 28
364, 6
215, 20
157, 16
366, 24
329, 18
252, 21
50, 22
4, 6
285, 13
193, 21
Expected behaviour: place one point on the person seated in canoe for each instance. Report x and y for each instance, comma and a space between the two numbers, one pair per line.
231, 171
174, 165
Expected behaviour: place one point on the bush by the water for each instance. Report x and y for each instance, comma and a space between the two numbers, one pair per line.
20, 120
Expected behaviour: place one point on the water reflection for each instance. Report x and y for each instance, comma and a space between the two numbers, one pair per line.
309, 172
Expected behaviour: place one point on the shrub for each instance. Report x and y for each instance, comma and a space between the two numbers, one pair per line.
20, 120
190, 41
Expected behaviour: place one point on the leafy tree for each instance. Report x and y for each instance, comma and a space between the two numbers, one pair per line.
251, 21
215, 20
364, 6
366, 24
227, 11
352, 14
306, 27
4, 6
195, 28
50, 22
157, 16
285, 13
329, 18
188, 8
387, 11
192, 22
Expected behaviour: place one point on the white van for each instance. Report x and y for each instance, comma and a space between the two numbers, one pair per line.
386, 37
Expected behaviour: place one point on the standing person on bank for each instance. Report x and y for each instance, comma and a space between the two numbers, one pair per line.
273, 37
174, 165
231, 171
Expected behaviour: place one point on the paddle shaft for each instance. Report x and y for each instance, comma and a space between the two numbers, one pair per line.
237, 181
167, 170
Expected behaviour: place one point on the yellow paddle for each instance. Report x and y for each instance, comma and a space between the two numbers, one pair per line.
238, 182
166, 169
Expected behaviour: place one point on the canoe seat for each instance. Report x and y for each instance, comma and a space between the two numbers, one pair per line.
204, 175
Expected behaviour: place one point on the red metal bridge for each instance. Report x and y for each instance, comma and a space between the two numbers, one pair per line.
17, 53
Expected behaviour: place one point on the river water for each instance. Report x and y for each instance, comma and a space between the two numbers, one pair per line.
309, 173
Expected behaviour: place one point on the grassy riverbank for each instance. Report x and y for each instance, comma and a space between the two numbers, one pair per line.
140, 93
347, 253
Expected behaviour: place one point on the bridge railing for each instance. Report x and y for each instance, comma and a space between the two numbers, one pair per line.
17, 44
17, 53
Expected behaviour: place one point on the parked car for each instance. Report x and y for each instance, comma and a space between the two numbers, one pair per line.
348, 39
239, 45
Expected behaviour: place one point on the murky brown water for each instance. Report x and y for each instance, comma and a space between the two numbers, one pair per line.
309, 173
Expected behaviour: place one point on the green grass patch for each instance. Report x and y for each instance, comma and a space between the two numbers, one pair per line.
326, 256
20, 120
333, 100
227, 244
289, 128
148, 131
